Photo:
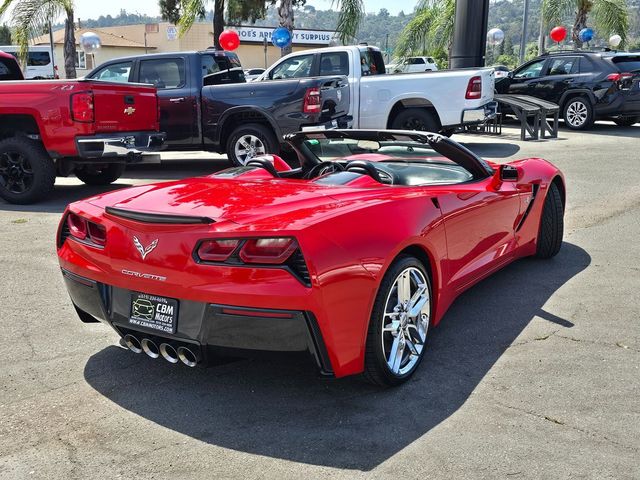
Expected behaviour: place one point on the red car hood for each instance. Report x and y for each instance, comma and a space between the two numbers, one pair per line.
237, 201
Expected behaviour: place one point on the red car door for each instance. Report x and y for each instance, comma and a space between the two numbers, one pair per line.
480, 220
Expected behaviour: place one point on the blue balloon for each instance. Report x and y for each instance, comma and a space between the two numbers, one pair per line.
585, 35
281, 37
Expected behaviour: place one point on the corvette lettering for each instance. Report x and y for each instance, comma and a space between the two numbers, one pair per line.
148, 276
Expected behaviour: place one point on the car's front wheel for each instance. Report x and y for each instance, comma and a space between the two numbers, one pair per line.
578, 113
100, 175
399, 323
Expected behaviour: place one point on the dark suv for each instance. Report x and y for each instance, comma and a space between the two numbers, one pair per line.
588, 86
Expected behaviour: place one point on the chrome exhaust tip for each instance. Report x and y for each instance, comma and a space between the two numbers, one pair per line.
132, 343
169, 353
187, 356
150, 348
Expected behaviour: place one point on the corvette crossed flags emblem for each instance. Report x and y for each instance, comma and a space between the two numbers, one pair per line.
144, 251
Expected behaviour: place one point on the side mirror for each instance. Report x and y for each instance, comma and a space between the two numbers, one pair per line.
509, 173
510, 74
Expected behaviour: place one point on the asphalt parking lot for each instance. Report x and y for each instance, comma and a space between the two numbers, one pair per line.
533, 373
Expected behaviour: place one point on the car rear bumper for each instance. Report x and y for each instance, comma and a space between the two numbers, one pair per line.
623, 103
479, 115
207, 328
122, 145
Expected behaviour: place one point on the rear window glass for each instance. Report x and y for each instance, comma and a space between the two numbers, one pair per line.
219, 70
163, 73
371, 62
627, 64
9, 70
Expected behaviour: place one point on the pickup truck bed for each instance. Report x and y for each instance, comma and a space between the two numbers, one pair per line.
206, 104
58, 127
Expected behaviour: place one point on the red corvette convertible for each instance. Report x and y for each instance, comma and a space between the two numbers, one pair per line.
353, 257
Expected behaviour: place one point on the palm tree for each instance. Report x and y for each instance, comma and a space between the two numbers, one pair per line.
31, 17
610, 16
430, 29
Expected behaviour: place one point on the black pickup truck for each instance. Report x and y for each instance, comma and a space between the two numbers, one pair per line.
206, 104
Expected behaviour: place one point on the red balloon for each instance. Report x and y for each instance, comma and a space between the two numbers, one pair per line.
558, 34
229, 40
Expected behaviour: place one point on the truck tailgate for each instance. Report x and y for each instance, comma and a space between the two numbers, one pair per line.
124, 107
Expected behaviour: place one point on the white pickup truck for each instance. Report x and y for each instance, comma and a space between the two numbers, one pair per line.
432, 101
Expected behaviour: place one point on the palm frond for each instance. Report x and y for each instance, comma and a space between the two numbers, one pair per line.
553, 11
351, 13
611, 16
430, 29
31, 17
192, 11
415, 34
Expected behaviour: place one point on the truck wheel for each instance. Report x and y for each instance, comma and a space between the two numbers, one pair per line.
100, 175
27, 173
415, 119
248, 141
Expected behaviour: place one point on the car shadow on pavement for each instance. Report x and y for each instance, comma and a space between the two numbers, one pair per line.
279, 408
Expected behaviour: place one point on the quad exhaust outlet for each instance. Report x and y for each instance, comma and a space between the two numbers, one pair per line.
172, 354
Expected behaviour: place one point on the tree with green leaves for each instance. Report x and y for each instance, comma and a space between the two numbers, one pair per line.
430, 29
31, 18
609, 16
5, 35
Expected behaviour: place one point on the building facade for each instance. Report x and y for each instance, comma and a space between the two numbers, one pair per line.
255, 50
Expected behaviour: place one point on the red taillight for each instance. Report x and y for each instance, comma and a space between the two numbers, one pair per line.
77, 226
89, 232
474, 88
216, 250
97, 233
312, 101
619, 77
268, 250
82, 107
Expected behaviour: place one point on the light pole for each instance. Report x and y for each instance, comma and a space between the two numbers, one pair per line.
523, 40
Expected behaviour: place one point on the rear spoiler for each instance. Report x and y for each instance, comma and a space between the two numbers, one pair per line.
146, 217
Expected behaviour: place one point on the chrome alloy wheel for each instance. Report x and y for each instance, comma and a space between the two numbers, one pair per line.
247, 147
406, 321
577, 113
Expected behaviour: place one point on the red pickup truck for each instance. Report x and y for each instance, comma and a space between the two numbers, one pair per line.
59, 127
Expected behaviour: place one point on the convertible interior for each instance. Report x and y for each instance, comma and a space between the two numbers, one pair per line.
338, 157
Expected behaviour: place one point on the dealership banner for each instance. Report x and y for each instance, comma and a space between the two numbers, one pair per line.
303, 37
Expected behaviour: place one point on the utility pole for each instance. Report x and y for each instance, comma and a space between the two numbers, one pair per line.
53, 60
523, 40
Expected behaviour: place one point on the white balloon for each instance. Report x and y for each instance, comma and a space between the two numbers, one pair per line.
495, 36
90, 42
615, 40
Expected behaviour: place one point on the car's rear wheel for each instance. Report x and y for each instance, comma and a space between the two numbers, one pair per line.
100, 175
415, 119
551, 224
626, 121
578, 113
249, 141
27, 174
399, 324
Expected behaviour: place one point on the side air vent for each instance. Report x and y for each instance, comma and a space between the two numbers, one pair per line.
64, 232
298, 267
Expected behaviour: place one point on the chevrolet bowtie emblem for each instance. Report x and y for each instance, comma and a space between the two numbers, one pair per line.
129, 110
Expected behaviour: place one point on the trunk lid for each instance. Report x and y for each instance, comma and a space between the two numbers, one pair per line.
123, 107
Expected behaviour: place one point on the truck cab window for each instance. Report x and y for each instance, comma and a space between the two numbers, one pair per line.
218, 70
295, 67
371, 62
163, 73
116, 72
334, 63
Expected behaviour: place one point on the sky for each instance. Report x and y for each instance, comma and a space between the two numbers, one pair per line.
93, 9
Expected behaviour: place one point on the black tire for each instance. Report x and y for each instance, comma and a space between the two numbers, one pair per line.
551, 224
100, 175
578, 113
376, 369
447, 132
27, 173
626, 121
415, 119
259, 131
